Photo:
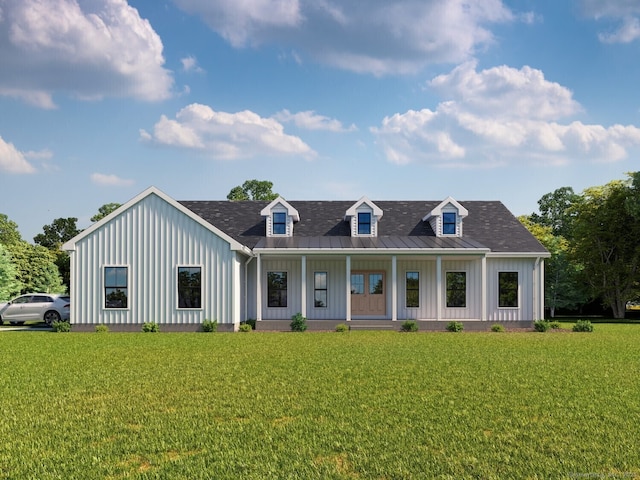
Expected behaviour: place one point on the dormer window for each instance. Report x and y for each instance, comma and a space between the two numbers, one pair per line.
446, 218
279, 223
364, 223
363, 217
449, 223
280, 217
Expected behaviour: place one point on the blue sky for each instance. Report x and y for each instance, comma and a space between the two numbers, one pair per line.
328, 99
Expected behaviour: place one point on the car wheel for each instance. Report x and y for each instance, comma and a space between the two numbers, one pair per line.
51, 316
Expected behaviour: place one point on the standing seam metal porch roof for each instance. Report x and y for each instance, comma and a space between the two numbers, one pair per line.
489, 226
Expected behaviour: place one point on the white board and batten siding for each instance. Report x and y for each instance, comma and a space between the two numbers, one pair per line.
152, 238
525, 309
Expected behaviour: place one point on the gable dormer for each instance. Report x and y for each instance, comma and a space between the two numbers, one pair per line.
446, 219
280, 217
363, 217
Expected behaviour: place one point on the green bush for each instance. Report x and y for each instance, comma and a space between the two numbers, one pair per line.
583, 326
252, 322
298, 323
209, 325
150, 327
541, 326
244, 327
555, 325
102, 328
61, 326
342, 327
455, 327
409, 326
497, 327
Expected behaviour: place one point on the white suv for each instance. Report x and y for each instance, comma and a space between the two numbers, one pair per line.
45, 307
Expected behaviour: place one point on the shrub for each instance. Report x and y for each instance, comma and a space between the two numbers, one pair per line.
102, 328
409, 326
298, 323
244, 327
583, 326
150, 327
252, 322
555, 325
541, 326
209, 325
61, 326
342, 327
455, 327
497, 327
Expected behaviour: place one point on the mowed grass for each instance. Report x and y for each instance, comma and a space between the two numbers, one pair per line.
359, 405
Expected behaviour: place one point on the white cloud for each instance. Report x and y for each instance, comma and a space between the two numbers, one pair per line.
225, 135
499, 116
626, 12
310, 120
190, 64
45, 154
12, 160
110, 180
87, 49
377, 36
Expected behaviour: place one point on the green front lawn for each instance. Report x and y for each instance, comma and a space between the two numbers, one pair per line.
382, 405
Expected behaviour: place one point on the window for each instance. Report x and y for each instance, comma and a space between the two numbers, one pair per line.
412, 290
508, 289
279, 224
277, 289
456, 289
116, 290
189, 287
320, 289
448, 223
375, 284
364, 223
357, 283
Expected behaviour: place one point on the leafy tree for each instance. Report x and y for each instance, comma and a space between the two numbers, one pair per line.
9, 284
606, 229
556, 212
562, 287
253, 190
36, 268
105, 210
55, 234
9, 234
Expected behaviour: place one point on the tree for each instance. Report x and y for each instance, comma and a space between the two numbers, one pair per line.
606, 229
55, 234
105, 210
562, 288
36, 268
9, 233
556, 212
253, 190
9, 284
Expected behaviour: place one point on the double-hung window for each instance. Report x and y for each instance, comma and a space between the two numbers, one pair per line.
449, 223
279, 224
116, 291
412, 286
320, 289
189, 287
507, 289
364, 223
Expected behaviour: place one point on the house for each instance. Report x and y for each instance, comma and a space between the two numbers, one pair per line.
179, 263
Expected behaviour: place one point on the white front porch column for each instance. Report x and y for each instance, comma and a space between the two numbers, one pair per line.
348, 292
439, 287
303, 286
394, 288
483, 300
236, 291
259, 288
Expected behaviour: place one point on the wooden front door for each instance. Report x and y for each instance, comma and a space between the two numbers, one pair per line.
367, 293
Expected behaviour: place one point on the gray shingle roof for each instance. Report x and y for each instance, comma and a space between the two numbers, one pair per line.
489, 225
